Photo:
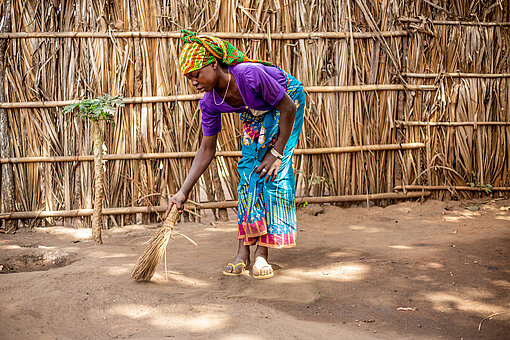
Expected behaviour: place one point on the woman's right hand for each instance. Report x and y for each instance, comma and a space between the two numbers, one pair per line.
178, 199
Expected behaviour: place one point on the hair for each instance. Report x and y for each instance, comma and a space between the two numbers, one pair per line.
221, 63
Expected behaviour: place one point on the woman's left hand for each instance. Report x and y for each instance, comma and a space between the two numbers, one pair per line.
269, 167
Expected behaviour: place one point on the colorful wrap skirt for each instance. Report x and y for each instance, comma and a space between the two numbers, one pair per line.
267, 211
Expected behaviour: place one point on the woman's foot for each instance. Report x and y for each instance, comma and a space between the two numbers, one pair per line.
261, 268
240, 262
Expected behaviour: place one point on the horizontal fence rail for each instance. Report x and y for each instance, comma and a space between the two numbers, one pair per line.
189, 97
223, 35
402, 122
456, 75
208, 205
191, 154
450, 187
453, 22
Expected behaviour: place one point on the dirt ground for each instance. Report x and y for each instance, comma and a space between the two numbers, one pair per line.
407, 271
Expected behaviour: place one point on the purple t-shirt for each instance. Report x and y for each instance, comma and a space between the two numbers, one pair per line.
261, 87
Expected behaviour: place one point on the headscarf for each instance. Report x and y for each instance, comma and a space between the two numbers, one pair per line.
198, 52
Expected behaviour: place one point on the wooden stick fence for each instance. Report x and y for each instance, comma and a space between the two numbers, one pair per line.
210, 205
191, 154
132, 50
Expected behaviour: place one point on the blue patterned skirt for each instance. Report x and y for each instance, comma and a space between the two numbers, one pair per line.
267, 211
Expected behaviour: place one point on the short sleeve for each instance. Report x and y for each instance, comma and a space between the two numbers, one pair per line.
211, 120
265, 86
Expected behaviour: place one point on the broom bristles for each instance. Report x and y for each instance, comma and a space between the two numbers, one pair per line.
148, 261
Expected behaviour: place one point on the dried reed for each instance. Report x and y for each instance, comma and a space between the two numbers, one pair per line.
148, 261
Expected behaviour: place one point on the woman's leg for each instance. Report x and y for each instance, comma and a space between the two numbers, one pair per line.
243, 255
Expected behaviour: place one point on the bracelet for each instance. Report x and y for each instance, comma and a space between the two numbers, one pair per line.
276, 153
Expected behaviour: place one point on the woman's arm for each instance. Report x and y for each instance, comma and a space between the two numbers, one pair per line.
204, 156
271, 163
287, 110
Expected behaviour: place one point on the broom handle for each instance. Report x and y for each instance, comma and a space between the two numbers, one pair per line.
172, 217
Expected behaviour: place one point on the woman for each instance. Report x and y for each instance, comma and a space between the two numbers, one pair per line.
271, 105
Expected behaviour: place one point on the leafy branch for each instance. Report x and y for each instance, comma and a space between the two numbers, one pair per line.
101, 108
475, 183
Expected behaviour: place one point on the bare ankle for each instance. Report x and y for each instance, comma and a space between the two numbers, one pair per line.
262, 251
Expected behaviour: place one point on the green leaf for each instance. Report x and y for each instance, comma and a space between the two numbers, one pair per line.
102, 108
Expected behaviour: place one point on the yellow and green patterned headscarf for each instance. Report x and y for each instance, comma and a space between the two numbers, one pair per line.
198, 52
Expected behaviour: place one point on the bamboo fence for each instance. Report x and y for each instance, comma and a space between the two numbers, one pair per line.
377, 73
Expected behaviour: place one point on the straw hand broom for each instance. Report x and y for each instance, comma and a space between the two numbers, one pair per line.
148, 261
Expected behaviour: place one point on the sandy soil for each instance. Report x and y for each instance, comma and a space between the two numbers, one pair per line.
448, 267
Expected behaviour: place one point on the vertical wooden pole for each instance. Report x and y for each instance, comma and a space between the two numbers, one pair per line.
398, 176
7, 182
97, 217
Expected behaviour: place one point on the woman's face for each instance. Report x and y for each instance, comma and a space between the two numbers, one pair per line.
204, 79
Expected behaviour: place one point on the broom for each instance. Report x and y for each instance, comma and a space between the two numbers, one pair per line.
148, 261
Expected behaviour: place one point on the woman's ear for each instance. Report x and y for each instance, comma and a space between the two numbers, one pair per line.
214, 65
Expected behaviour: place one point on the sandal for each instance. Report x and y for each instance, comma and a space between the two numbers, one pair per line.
261, 263
234, 266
